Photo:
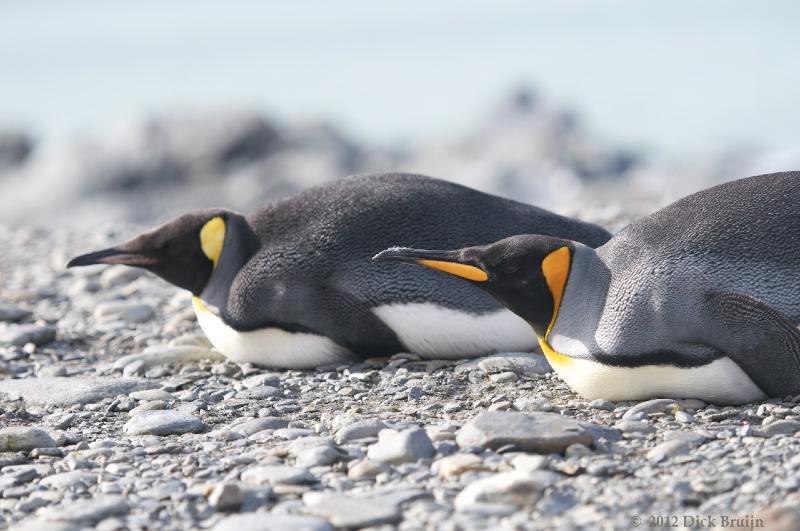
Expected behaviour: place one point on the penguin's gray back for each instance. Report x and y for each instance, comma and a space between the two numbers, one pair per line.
742, 236
699, 299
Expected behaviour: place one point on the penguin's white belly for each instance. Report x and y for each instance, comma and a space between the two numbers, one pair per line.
269, 347
436, 332
720, 382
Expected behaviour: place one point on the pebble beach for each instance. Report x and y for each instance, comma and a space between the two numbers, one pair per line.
116, 413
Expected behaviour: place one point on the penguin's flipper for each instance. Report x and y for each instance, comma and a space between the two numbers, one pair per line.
761, 340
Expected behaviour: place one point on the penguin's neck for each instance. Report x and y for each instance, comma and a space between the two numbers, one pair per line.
239, 246
571, 335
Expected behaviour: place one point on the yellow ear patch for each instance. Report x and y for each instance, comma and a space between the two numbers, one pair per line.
460, 270
212, 236
555, 268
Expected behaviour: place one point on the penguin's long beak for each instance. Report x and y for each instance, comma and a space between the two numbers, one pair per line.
447, 261
113, 255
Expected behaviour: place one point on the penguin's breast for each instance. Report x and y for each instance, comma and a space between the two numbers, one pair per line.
720, 381
269, 346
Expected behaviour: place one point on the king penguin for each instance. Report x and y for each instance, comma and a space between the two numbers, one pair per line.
700, 299
292, 286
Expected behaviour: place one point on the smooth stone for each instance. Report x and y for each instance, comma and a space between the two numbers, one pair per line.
261, 379
520, 363
401, 446
634, 426
271, 522
604, 405
657, 405
249, 427
317, 456
518, 489
66, 480
130, 312
689, 436
67, 391
457, 464
162, 423
277, 475
361, 429
366, 469
22, 334
781, 427
529, 463
148, 395
87, 512
226, 496
10, 313
669, 449
24, 438
46, 525
351, 513
259, 392
167, 356
535, 432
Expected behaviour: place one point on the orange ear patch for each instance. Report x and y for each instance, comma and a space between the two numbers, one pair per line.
555, 268
212, 236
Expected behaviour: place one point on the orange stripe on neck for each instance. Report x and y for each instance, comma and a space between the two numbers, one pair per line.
555, 268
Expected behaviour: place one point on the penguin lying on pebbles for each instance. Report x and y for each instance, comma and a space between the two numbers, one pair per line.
700, 299
292, 286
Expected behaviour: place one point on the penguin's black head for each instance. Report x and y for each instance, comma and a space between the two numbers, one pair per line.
183, 251
526, 273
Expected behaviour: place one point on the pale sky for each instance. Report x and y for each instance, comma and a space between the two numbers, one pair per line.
678, 76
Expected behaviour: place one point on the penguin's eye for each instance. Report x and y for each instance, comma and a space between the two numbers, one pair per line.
510, 267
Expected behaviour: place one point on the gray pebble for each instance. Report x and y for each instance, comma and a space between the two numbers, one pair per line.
162, 423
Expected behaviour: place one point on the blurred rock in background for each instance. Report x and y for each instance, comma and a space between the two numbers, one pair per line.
150, 168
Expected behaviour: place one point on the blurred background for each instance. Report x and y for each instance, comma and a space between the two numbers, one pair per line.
137, 111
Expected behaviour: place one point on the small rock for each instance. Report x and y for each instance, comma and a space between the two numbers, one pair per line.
167, 356
402, 447
366, 469
130, 312
349, 512
535, 432
657, 405
147, 395
271, 522
669, 449
520, 363
67, 391
12, 313
317, 456
529, 463
684, 417
781, 427
24, 438
259, 392
634, 426
87, 512
22, 334
577, 450
518, 489
277, 475
455, 465
226, 497
360, 430
605, 405
249, 427
162, 423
